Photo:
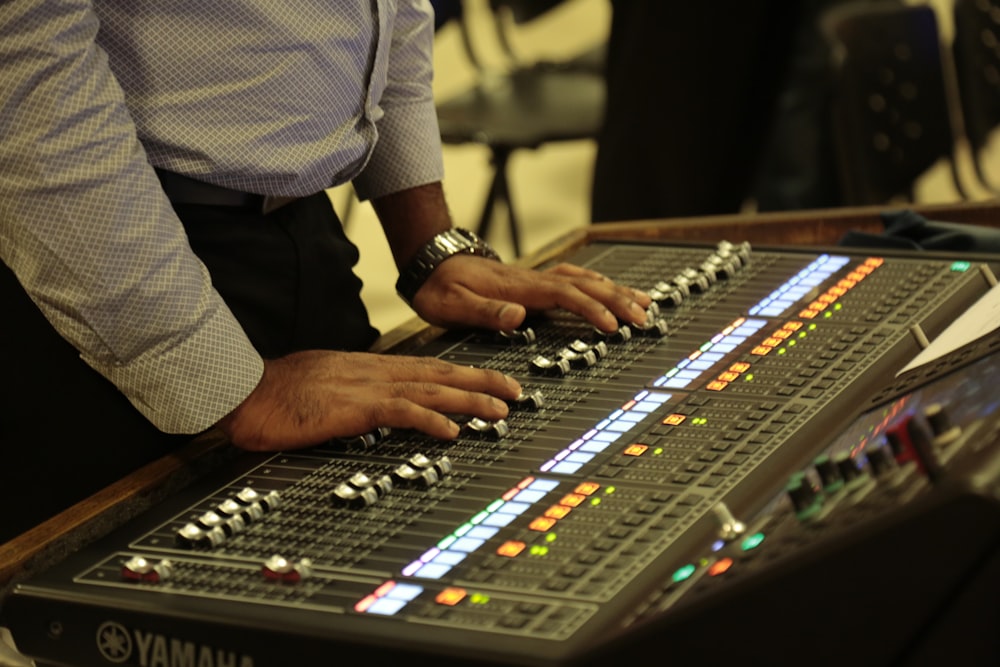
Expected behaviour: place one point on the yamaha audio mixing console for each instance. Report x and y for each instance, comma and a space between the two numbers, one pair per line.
743, 480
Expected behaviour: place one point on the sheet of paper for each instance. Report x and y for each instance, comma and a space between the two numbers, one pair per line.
979, 320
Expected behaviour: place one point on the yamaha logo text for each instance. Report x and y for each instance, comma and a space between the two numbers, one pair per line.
122, 646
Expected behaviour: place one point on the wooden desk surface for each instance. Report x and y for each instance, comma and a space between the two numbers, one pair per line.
97, 515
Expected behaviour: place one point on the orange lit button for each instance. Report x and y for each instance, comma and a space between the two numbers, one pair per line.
729, 376
808, 314
792, 326
450, 596
572, 499
847, 284
558, 511
740, 367
826, 298
781, 334
510, 549
674, 419
875, 261
720, 566
635, 450
541, 524
716, 385
587, 488
761, 350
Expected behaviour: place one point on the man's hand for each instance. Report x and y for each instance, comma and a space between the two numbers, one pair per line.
308, 397
472, 291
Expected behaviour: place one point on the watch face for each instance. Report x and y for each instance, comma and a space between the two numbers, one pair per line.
446, 244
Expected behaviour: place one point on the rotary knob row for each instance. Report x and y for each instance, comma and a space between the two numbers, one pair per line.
230, 517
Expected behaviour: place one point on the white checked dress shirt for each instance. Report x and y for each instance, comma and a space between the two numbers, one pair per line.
281, 98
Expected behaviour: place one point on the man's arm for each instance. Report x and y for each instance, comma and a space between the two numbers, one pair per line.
87, 229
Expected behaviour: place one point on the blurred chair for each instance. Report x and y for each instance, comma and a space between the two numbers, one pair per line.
520, 104
893, 118
976, 53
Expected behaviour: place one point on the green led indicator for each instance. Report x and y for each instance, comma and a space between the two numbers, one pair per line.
463, 529
828, 314
748, 377
479, 598
595, 501
803, 334
961, 267
781, 350
658, 451
792, 343
752, 542
495, 505
550, 537
838, 306
446, 542
683, 573
812, 327
609, 490
539, 550
478, 519
706, 347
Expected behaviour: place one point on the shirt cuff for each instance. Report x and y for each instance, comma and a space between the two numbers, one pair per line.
407, 153
187, 387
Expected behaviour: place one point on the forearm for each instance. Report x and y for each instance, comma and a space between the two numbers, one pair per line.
412, 217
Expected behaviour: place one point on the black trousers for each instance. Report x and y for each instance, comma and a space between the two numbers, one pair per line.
66, 432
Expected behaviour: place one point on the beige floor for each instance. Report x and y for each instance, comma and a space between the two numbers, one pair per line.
551, 185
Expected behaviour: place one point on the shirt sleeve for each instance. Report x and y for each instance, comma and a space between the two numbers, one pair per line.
92, 238
408, 151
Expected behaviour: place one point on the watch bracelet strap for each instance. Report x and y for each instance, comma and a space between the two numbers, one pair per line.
447, 244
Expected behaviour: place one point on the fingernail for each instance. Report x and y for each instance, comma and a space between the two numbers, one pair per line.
638, 313
513, 384
454, 428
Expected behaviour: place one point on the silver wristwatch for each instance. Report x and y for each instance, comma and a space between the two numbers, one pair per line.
447, 244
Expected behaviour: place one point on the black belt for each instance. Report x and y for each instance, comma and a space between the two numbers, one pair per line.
182, 189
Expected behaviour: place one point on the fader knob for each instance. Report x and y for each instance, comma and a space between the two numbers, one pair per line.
829, 474
528, 402
848, 466
880, 459
804, 496
940, 422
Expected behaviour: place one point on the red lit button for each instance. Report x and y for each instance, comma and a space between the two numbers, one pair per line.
720, 566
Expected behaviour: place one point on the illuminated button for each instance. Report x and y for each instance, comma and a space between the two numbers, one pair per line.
451, 596
541, 524
587, 488
674, 420
752, 542
716, 385
729, 376
740, 367
635, 450
761, 351
720, 566
792, 326
875, 261
809, 313
572, 499
684, 573
558, 511
510, 549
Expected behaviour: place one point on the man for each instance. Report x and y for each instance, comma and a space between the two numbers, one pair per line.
162, 171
